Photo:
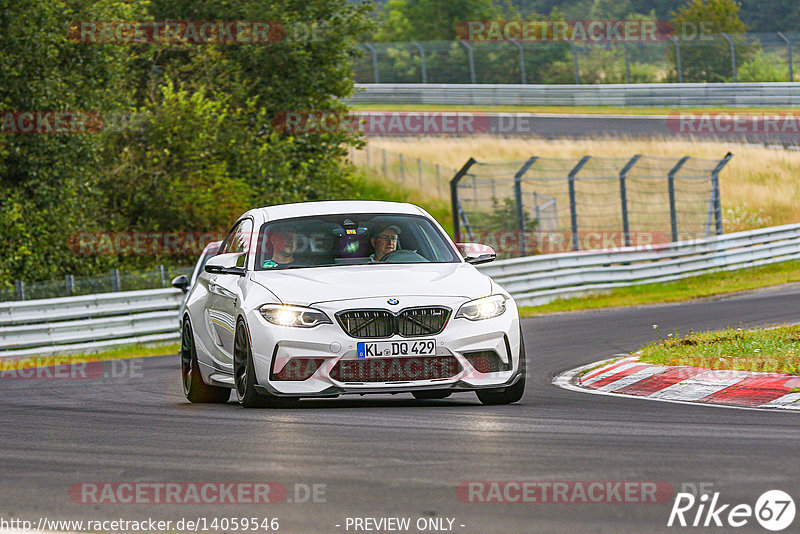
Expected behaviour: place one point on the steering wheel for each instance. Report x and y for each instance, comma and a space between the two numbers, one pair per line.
403, 255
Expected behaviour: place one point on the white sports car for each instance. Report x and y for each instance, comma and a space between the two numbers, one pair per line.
348, 297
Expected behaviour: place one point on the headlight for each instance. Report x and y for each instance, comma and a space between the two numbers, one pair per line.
485, 308
283, 315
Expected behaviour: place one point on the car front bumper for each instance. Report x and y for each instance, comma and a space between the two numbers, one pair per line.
274, 346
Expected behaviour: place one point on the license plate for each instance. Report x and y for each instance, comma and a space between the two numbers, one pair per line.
382, 349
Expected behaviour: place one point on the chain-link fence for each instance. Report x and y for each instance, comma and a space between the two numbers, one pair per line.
751, 57
114, 280
546, 205
407, 171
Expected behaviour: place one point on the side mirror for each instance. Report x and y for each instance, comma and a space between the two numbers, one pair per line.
476, 253
181, 282
226, 264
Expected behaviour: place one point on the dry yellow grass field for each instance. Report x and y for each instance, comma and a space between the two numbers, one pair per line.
760, 186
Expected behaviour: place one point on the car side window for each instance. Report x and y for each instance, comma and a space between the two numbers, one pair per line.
238, 240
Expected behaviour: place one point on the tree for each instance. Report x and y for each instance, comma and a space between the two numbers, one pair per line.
705, 53
432, 20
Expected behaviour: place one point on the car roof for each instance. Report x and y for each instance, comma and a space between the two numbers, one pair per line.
330, 207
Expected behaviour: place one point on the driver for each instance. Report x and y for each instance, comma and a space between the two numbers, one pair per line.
385, 239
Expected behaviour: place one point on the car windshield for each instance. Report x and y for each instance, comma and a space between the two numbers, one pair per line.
351, 239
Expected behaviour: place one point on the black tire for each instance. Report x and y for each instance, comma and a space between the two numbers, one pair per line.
244, 375
193, 386
507, 395
431, 394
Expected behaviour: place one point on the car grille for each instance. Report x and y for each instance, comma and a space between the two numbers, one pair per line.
413, 322
395, 369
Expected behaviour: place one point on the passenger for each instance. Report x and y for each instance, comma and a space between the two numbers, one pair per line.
282, 241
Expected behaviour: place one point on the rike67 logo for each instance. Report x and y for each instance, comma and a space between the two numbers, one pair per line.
774, 510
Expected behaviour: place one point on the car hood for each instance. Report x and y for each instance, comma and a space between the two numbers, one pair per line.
305, 287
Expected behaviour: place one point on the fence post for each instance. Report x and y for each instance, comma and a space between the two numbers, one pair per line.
518, 201
454, 203
163, 274
374, 60
623, 197
521, 61
573, 208
366, 154
402, 171
733, 55
19, 289
115, 285
789, 50
673, 214
422, 61
678, 58
384, 162
715, 190
438, 180
419, 171
575, 62
471, 58
627, 62
69, 284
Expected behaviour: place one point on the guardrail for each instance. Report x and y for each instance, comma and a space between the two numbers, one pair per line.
88, 323
540, 279
652, 94
95, 322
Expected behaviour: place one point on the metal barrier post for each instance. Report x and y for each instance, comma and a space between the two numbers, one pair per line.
673, 214
733, 55
575, 62
454, 196
521, 61
627, 62
789, 51
115, 285
383, 150
69, 284
678, 58
419, 171
715, 190
422, 61
402, 171
374, 60
438, 180
573, 208
623, 197
19, 289
518, 201
471, 58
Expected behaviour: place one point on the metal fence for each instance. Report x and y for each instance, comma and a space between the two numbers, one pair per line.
549, 205
404, 170
114, 281
95, 322
756, 57
88, 323
541, 279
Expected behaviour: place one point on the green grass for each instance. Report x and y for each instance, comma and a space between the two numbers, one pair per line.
371, 186
706, 285
774, 350
118, 353
602, 110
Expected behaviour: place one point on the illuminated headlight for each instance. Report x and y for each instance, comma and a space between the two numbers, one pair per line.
485, 308
283, 315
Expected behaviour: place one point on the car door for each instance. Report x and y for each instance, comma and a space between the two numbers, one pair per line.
224, 294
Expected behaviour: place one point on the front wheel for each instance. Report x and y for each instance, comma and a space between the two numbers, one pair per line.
508, 394
244, 375
193, 386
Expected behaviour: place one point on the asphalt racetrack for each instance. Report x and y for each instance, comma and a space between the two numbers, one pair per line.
379, 457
